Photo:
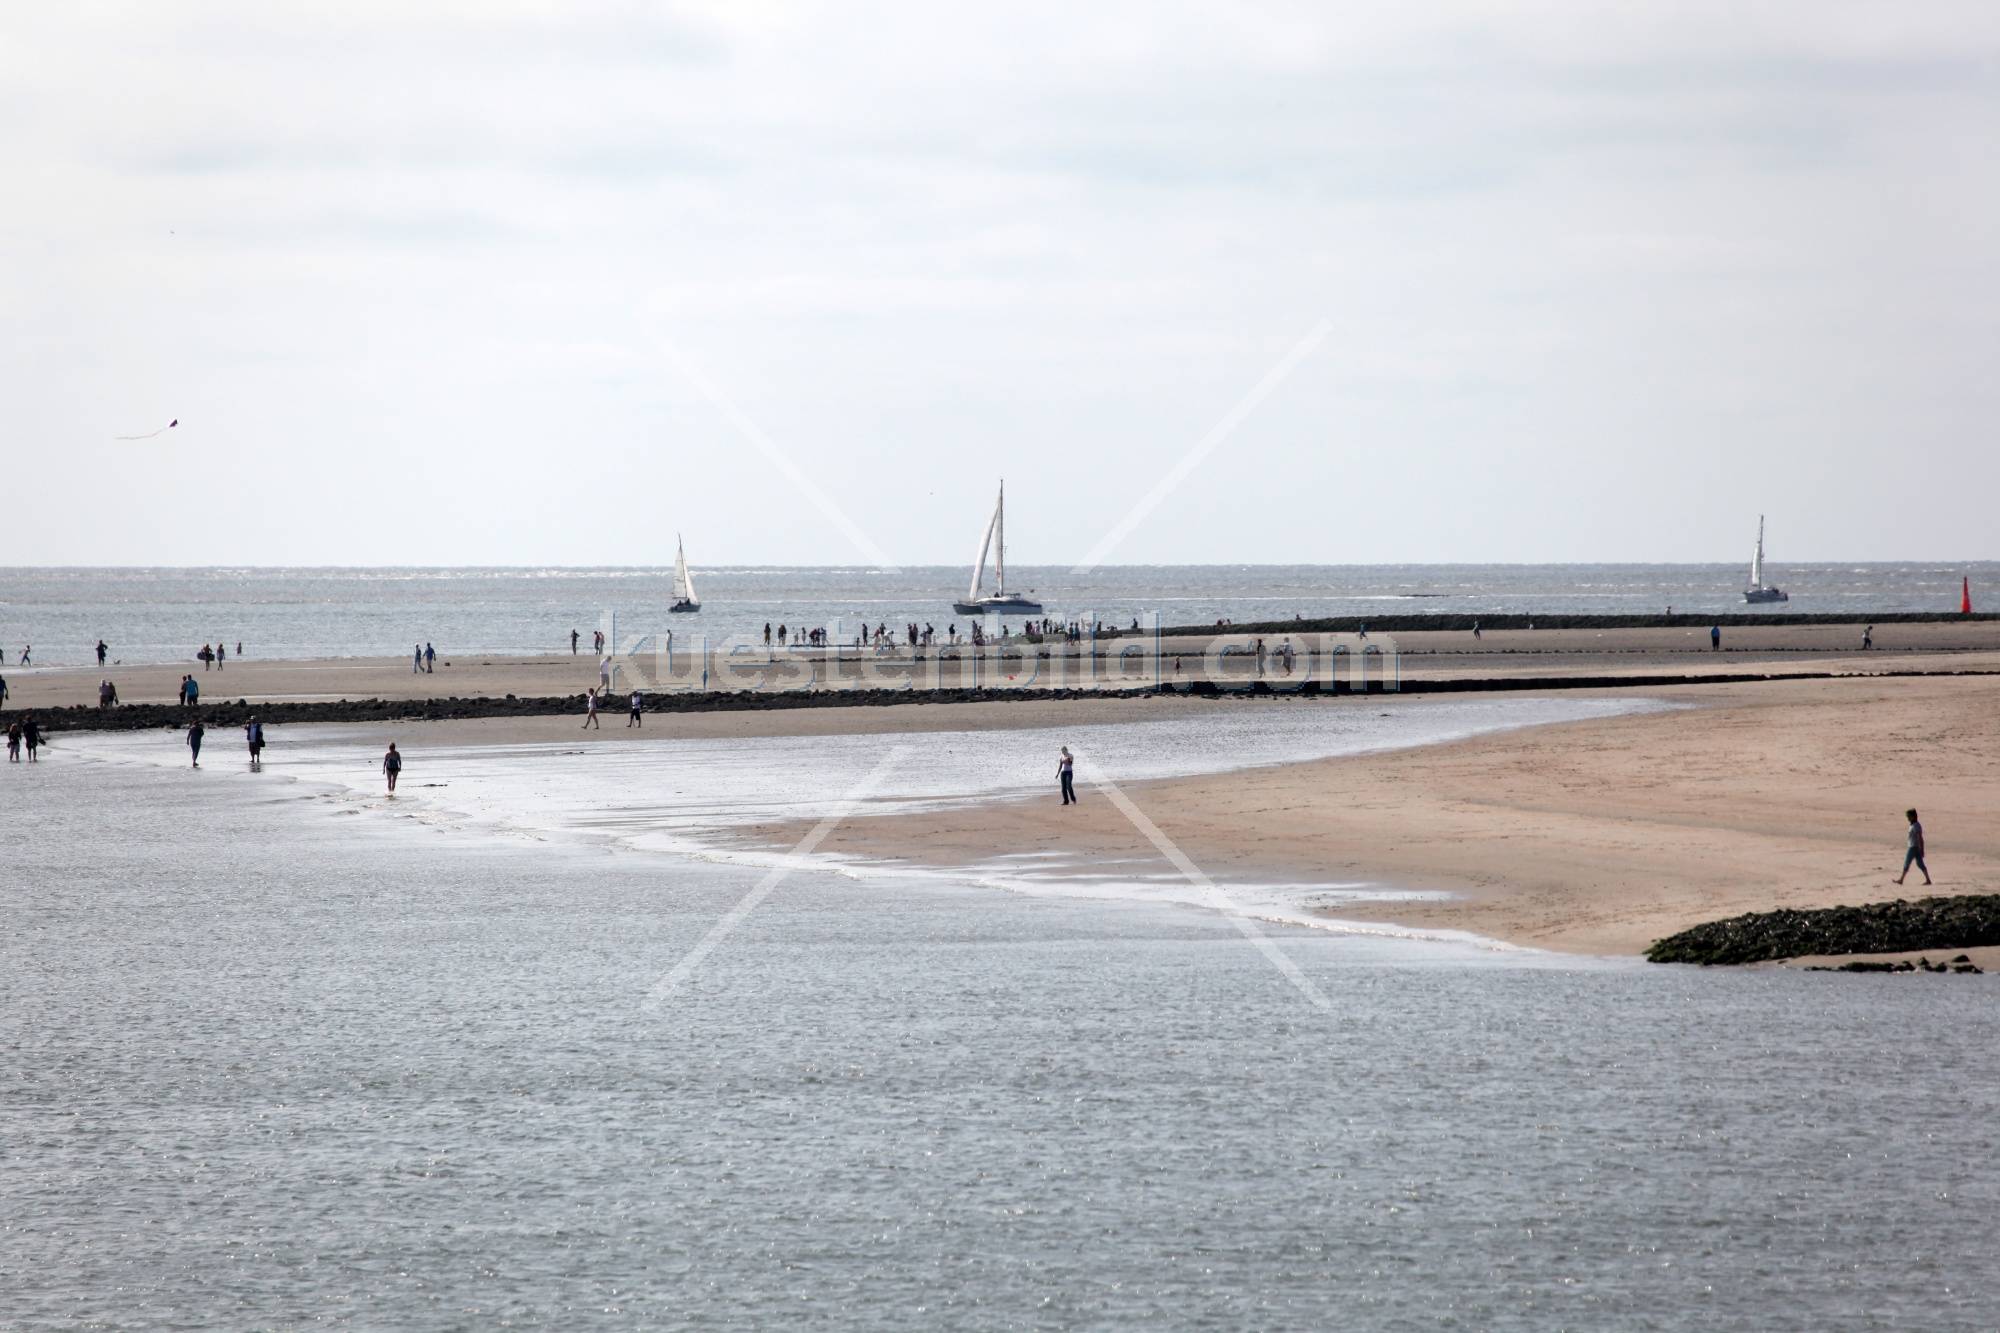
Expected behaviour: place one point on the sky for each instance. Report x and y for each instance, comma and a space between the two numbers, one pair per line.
525, 283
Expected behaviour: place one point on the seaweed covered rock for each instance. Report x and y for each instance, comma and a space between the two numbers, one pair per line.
1893, 927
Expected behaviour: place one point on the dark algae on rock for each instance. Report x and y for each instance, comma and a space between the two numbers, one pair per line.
1893, 927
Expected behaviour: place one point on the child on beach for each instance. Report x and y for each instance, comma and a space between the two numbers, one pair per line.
392, 766
13, 742
1914, 848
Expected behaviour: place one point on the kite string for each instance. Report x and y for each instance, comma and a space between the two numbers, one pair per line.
161, 431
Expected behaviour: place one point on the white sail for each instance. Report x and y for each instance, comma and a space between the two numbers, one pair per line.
683, 581
1757, 559
1000, 542
985, 547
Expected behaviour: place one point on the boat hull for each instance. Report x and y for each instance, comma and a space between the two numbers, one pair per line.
682, 608
1766, 595
998, 606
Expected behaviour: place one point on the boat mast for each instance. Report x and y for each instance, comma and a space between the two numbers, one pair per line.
1000, 536
1757, 560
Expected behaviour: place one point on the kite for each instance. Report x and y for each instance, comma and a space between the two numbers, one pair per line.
161, 431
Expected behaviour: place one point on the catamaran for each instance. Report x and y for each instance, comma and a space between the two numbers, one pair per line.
999, 601
684, 598
1760, 591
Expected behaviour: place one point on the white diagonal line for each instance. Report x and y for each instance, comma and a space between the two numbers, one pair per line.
1203, 447
780, 460
792, 860
1194, 875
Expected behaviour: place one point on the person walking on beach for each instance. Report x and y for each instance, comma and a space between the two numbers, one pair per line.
31, 732
392, 767
1714, 638
430, 659
637, 719
1867, 638
1914, 849
103, 651
3, 691
26, 649
254, 734
1066, 771
195, 732
221, 654
206, 657
1475, 630
193, 691
417, 660
590, 711
604, 675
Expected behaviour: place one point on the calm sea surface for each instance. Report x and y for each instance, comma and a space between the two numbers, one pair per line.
160, 615
278, 1053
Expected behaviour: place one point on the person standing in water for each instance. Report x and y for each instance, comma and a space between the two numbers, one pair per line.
195, 732
13, 742
1066, 771
254, 734
103, 651
573, 637
1913, 849
392, 767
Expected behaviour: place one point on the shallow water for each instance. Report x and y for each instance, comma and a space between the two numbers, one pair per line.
277, 1058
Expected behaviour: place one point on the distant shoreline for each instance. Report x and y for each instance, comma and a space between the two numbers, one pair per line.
141, 717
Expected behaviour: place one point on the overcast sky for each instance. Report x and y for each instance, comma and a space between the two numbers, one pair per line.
1601, 282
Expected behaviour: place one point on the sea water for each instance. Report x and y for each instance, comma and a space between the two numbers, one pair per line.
165, 615
279, 1055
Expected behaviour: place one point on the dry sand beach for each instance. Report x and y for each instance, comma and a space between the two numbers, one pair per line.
1590, 837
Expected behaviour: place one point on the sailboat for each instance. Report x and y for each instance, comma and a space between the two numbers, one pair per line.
999, 601
1760, 591
684, 598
